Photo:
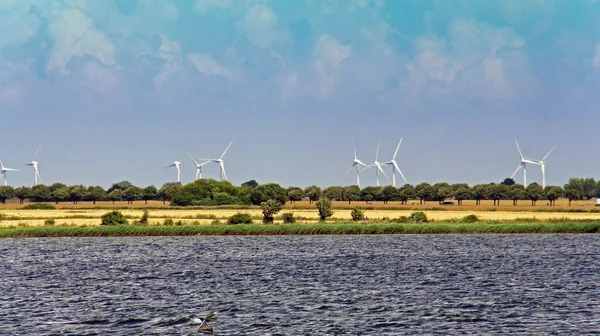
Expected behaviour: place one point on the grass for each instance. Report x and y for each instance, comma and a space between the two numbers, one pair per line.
300, 229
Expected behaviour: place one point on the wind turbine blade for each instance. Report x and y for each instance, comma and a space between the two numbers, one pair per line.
226, 149
516, 171
354, 147
349, 169
382, 171
191, 157
37, 152
169, 166
399, 171
223, 170
544, 159
519, 149
397, 148
377, 153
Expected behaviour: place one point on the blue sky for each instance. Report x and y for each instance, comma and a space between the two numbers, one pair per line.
112, 87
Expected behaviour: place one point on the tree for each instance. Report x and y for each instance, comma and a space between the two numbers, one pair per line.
357, 214
442, 191
479, 193
334, 193
552, 194
351, 193
22, 193
269, 209
295, 194
324, 207
496, 192
6, 193
115, 195
132, 193
77, 193
167, 191
589, 187
268, 191
516, 192
56, 186
119, 185
407, 192
462, 193
41, 193
149, 193
370, 193
95, 193
390, 193
312, 192
425, 192
114, 218
60, 195
572, 194
508, 182
250, 184
534, 192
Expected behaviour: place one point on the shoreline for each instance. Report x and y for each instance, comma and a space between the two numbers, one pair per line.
301, 229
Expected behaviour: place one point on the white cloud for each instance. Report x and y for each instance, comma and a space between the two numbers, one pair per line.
97, 77
75, 36
329, 55
596, 62
17, 28
202, 6
259, 24
204, 63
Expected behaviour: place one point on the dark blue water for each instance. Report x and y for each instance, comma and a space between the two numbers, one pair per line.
302, 285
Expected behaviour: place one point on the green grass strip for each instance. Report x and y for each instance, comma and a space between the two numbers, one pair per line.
301, 229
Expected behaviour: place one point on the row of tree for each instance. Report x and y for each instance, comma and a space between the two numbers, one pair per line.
209, 192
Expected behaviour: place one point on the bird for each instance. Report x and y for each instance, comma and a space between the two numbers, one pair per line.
204, 327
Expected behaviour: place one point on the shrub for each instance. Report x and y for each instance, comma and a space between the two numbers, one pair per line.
269, 209
288, 218
357, 214
168, 222
145, 217
179, 223
419, 217
469, 219
240, 218
215, 222
39, 206
49, 222
114, 218
324, 207
401, 219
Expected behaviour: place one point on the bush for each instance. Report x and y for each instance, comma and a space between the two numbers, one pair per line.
419, 217
39, 206
114, 218
470, 219
240, 218
401, 219
324, 207
269, 209
168, 222
215, 222
288, 218
145, 217
357, 214
49, 222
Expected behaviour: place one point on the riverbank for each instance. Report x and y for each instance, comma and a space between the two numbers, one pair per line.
299, 229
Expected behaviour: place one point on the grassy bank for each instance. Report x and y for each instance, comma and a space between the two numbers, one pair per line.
301, 229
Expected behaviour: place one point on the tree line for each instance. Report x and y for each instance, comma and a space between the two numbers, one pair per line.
209, 192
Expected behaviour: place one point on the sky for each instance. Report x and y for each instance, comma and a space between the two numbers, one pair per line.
118, 89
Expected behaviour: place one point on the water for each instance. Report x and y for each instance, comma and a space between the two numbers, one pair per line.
302, 285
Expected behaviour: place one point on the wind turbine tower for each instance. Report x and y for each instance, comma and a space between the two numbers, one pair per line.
394, 165
221, 162
4, 170
525, 161
198, 167
357, 163
378, 164
35, 165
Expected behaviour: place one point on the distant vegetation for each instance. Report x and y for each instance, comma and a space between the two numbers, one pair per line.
209, 192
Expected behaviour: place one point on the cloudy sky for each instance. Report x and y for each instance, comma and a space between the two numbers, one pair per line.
111, 88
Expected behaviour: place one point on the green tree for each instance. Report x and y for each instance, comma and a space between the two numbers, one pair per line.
442, 191
119, 185
552, 194
462, 193
114, 218
357, 214
589, 188
406, 193
22, 193
351, 193
57, 185
95, 193
77, 193
41, 193
508, 182
496, 192
390, 193
269, 209
534, 192
268, 191
312, 192
516, 192
250, 184
572, 194
369, 194
334, 193
149, 193
425, 192
60, 195
115, 195
6, 193
324, 208
132, 193
168, 190
479, 193
295, 194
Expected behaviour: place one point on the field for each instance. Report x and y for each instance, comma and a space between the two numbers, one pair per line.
88, 214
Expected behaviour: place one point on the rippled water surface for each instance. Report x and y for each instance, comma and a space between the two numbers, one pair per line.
302, 285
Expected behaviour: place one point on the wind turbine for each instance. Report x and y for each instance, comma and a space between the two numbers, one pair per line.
378, 164
357, 163
3, 172
525, 161
198, 167
394, 165
35, 164
177, 165
221, 162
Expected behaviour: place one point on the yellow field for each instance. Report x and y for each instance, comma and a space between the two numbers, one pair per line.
88, 214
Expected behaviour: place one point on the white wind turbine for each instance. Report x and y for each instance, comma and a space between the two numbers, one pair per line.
525, 161
221, 162
35, 164
198, 167
177, 165
394, 165
357, 163
3, 172
378, 164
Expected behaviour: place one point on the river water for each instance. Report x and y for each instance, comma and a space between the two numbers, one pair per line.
302, 285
